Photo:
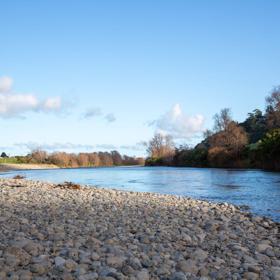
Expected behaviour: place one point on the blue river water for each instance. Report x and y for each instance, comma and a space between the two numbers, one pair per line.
260, 190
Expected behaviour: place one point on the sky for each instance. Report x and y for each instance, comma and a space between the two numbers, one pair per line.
103, 75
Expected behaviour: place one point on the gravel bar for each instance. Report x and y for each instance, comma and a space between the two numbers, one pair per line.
50, 231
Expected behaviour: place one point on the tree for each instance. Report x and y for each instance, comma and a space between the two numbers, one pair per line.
273, 109
233, 139
116, 157
255, 126
222, 120
105, 159
4, 155
94, 159
207, 133
83, 159
60, 159
219, 157
268, 150
160, 146
186, 156
39, 156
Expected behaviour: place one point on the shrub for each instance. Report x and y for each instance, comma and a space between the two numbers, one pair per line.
219, 157
268, 150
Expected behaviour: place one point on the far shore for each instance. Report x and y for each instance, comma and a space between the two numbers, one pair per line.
38, 166
26, 166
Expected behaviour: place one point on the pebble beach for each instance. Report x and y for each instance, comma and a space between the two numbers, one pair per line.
50, 231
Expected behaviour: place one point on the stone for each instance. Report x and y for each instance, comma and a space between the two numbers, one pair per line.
89, 276
178, 276
95, 256
199, 255
251, 276
186, 238
262, 247
13, 276
59, 261
32, 248
25, 275
38, 268
16, 256
67, 276
142, 275
3, 275
135, 263
253, 268
188, 266
70, 265
276, 272
115, 261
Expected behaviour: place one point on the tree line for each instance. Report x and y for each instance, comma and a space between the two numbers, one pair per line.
253, 143
63, 159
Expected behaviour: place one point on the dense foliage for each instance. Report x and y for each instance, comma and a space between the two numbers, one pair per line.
254, 143
63, 159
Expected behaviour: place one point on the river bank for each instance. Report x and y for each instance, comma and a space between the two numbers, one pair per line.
51, 231
25, 166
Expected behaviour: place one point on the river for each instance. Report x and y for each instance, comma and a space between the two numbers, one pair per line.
260, 190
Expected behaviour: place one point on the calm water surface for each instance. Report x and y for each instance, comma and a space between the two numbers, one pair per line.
259, 190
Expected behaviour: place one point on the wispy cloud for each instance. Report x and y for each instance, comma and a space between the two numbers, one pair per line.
54, 146
52, 104
106, 147
73, 147
15, 105
93, 112
110, 117
140, 146
97, 112
176, 123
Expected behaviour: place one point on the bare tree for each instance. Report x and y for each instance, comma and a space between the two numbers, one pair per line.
160, 146
83, 159
234, 138
273, 109
60, 158
222, 120
39, 156
94, 159
105, 159
207, 133
116, 157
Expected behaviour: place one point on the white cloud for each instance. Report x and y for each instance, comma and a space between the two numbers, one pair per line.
5, 84
178, 124
17, 104
110, 117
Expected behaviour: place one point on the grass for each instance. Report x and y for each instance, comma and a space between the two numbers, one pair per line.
10, 160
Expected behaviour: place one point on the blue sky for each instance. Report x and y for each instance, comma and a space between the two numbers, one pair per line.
97, 75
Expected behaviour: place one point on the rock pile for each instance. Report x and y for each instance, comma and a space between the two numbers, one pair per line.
50, 232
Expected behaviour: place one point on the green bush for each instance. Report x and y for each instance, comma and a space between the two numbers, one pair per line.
268, 150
